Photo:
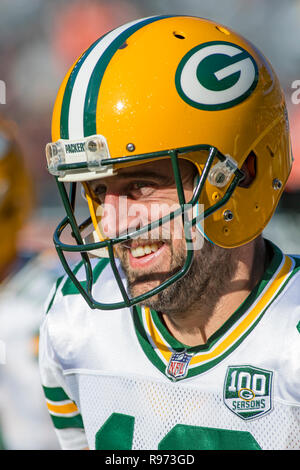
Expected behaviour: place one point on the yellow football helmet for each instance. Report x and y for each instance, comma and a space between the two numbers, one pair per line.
175, 87
16, 193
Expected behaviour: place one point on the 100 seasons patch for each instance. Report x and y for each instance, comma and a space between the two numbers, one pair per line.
248, 391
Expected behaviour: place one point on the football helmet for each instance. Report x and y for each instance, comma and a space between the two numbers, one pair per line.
172, 87
16, 192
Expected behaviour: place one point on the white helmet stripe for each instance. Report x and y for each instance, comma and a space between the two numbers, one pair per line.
81, 83
76, 109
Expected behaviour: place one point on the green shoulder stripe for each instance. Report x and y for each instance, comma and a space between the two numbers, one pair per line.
69, 287
53, 296
296, 258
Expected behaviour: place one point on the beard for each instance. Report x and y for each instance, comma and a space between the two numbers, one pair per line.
211, 268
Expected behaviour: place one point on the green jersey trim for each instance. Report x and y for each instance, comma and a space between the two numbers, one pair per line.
69, 287
65, 423
63, 411
159, 345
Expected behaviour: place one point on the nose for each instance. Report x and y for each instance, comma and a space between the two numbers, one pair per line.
110, 215
120, 215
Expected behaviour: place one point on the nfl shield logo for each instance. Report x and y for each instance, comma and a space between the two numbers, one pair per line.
178, 365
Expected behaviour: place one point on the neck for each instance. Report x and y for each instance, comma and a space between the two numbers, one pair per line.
204, 317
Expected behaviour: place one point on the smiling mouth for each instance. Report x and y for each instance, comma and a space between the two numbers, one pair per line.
144, 250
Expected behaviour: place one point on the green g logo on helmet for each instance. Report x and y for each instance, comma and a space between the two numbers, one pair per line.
216, 75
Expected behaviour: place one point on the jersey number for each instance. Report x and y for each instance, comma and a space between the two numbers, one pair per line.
117, 434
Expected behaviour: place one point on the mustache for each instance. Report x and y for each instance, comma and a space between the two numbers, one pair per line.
161, 234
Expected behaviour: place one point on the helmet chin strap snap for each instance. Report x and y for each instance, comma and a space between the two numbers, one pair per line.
221, 172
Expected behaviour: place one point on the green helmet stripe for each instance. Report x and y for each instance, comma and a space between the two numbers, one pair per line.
81, 92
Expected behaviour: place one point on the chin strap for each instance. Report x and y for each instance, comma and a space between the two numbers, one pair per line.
196, 212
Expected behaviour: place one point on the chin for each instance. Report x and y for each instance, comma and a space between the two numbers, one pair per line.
143, 288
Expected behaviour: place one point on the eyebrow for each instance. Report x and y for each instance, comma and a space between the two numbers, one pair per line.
142, 175
145, 175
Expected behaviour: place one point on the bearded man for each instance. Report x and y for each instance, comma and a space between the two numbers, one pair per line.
179, 328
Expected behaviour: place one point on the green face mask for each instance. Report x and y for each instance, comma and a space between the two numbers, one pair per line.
219, 174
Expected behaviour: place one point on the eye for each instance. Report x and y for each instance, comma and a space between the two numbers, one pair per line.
141, 188
140, 184
99, 191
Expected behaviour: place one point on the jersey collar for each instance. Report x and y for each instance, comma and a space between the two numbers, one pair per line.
160, 346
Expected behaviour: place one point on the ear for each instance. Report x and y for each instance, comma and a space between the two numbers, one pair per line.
249, 170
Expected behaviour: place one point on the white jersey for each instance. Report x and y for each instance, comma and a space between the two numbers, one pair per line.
118, 380
24, 421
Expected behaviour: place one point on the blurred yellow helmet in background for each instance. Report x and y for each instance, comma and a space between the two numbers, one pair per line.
16, 192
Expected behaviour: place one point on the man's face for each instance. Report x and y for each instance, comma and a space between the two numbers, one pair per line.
135, 197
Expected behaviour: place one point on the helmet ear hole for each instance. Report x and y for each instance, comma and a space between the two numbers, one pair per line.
249, 170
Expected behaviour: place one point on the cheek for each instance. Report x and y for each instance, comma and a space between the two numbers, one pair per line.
188, 193
178, 249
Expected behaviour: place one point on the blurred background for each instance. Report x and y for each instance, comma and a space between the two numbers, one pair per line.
39, 41
38, 45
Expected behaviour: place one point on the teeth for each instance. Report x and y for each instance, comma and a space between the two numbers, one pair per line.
147, 249
143, 250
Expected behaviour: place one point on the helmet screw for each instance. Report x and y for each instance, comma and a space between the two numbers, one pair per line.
220, 178
228, 215
92, 146
130, 147
277, 184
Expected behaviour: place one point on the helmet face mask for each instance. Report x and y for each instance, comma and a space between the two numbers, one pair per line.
106, 246
129, 101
